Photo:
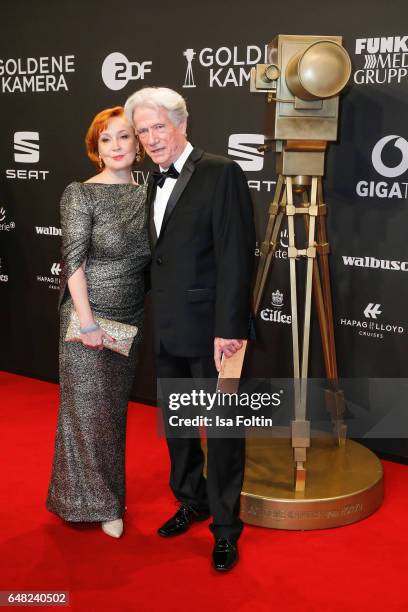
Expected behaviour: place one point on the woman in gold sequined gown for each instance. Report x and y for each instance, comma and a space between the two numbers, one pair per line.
105, 251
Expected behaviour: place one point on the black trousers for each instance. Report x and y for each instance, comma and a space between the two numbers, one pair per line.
220, 492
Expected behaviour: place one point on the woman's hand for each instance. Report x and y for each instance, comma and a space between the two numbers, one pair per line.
94, 339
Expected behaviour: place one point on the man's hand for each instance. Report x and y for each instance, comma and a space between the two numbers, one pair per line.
226, 347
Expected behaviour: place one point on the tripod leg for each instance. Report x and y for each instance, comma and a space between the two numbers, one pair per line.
318, 296
300, 428
311, 256
268, 246
334, 396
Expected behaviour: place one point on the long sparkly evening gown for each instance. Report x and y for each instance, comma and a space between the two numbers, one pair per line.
105, 226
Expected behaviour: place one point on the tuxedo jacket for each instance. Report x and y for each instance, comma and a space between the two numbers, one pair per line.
202, 261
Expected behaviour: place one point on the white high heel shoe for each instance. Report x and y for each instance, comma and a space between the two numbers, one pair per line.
113, 528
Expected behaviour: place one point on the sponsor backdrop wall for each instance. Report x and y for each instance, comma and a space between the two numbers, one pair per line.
62, 62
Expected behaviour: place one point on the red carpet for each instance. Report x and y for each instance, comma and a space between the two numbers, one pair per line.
363, 566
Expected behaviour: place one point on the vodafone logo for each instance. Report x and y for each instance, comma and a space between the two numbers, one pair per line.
389, 158
378, 163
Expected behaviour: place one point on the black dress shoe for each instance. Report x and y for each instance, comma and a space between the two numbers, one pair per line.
181, 521
225, 555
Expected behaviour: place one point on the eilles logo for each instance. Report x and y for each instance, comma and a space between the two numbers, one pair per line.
274, 314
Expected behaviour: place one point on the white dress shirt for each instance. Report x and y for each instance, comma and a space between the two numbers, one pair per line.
163, 193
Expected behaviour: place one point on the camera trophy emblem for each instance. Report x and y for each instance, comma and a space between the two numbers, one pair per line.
302, 82
189, 79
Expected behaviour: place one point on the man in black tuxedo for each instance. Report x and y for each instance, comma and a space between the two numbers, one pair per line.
203, 242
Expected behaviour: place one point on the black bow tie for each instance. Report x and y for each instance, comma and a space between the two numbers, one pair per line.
160, 177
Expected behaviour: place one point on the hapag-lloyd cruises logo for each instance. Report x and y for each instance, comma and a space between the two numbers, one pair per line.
53, 281
384, 60
372, 326
223, 66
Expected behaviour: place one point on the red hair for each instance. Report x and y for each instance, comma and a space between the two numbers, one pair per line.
98, 125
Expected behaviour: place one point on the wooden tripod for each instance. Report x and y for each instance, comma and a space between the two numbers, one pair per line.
301, 195
314, 211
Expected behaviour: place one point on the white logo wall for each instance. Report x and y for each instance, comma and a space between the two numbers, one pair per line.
57, 98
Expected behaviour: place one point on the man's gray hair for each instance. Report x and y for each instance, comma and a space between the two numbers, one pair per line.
158, 97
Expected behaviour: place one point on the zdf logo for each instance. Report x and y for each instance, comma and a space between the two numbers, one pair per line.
390, 171
248, 157
117, 71
25, 150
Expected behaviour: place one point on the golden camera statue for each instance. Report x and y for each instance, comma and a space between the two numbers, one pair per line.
303, 81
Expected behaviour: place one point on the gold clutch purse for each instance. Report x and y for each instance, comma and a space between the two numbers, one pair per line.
123, 333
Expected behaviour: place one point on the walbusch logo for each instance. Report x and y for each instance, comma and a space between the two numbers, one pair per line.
375, 264
48, 231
